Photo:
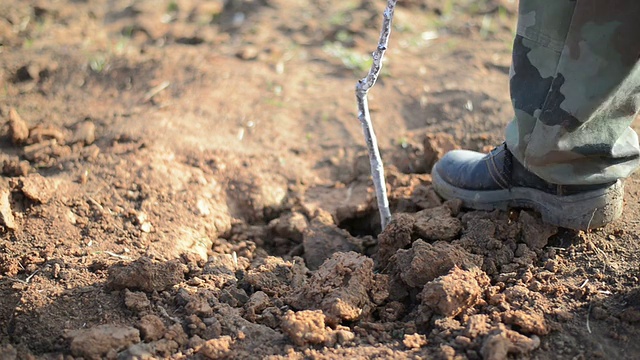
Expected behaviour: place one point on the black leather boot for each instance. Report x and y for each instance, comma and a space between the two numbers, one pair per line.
498, 181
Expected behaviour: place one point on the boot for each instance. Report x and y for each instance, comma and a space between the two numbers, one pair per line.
498, 181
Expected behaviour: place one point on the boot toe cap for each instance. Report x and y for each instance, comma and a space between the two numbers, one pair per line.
467, 170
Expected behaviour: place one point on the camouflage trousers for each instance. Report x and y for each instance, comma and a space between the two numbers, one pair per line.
575, 89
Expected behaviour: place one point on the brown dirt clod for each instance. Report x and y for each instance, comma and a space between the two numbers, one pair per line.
305, 327
216, 348
502, 342
151, 328
136, 301
535, 233
37, 188
414, 341
397, 235
291, 226
451, 294
528, 322
143, 274
258, 301
18, 128
276, 276
99, 341
340, 287
425, 262
437, 224
85, 133
199, 306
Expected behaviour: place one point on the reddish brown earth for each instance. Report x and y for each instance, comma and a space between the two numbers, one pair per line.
187, 180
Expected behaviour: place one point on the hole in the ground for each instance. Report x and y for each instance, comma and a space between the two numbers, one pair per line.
565, 238
363, 225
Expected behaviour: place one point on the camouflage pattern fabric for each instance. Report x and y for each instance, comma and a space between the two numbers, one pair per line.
575, 89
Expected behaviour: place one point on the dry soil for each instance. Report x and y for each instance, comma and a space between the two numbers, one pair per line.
187, 179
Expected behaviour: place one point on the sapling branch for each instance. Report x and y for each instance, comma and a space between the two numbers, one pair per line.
362, 89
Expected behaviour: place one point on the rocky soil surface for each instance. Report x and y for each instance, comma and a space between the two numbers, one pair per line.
187, 179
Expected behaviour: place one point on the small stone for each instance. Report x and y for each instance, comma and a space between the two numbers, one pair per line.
141, 217
203, 208
85, 133
71, 217
146, 227
463, 341
344, 335
248, 52
6, 216
196, 281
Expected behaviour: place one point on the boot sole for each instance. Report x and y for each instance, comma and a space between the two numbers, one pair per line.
581, 211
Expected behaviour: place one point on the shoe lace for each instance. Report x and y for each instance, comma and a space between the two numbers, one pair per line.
507, 165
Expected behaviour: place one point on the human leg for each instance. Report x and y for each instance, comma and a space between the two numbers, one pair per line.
575, 86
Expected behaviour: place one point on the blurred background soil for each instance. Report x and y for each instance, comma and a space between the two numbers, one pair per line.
188, 179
